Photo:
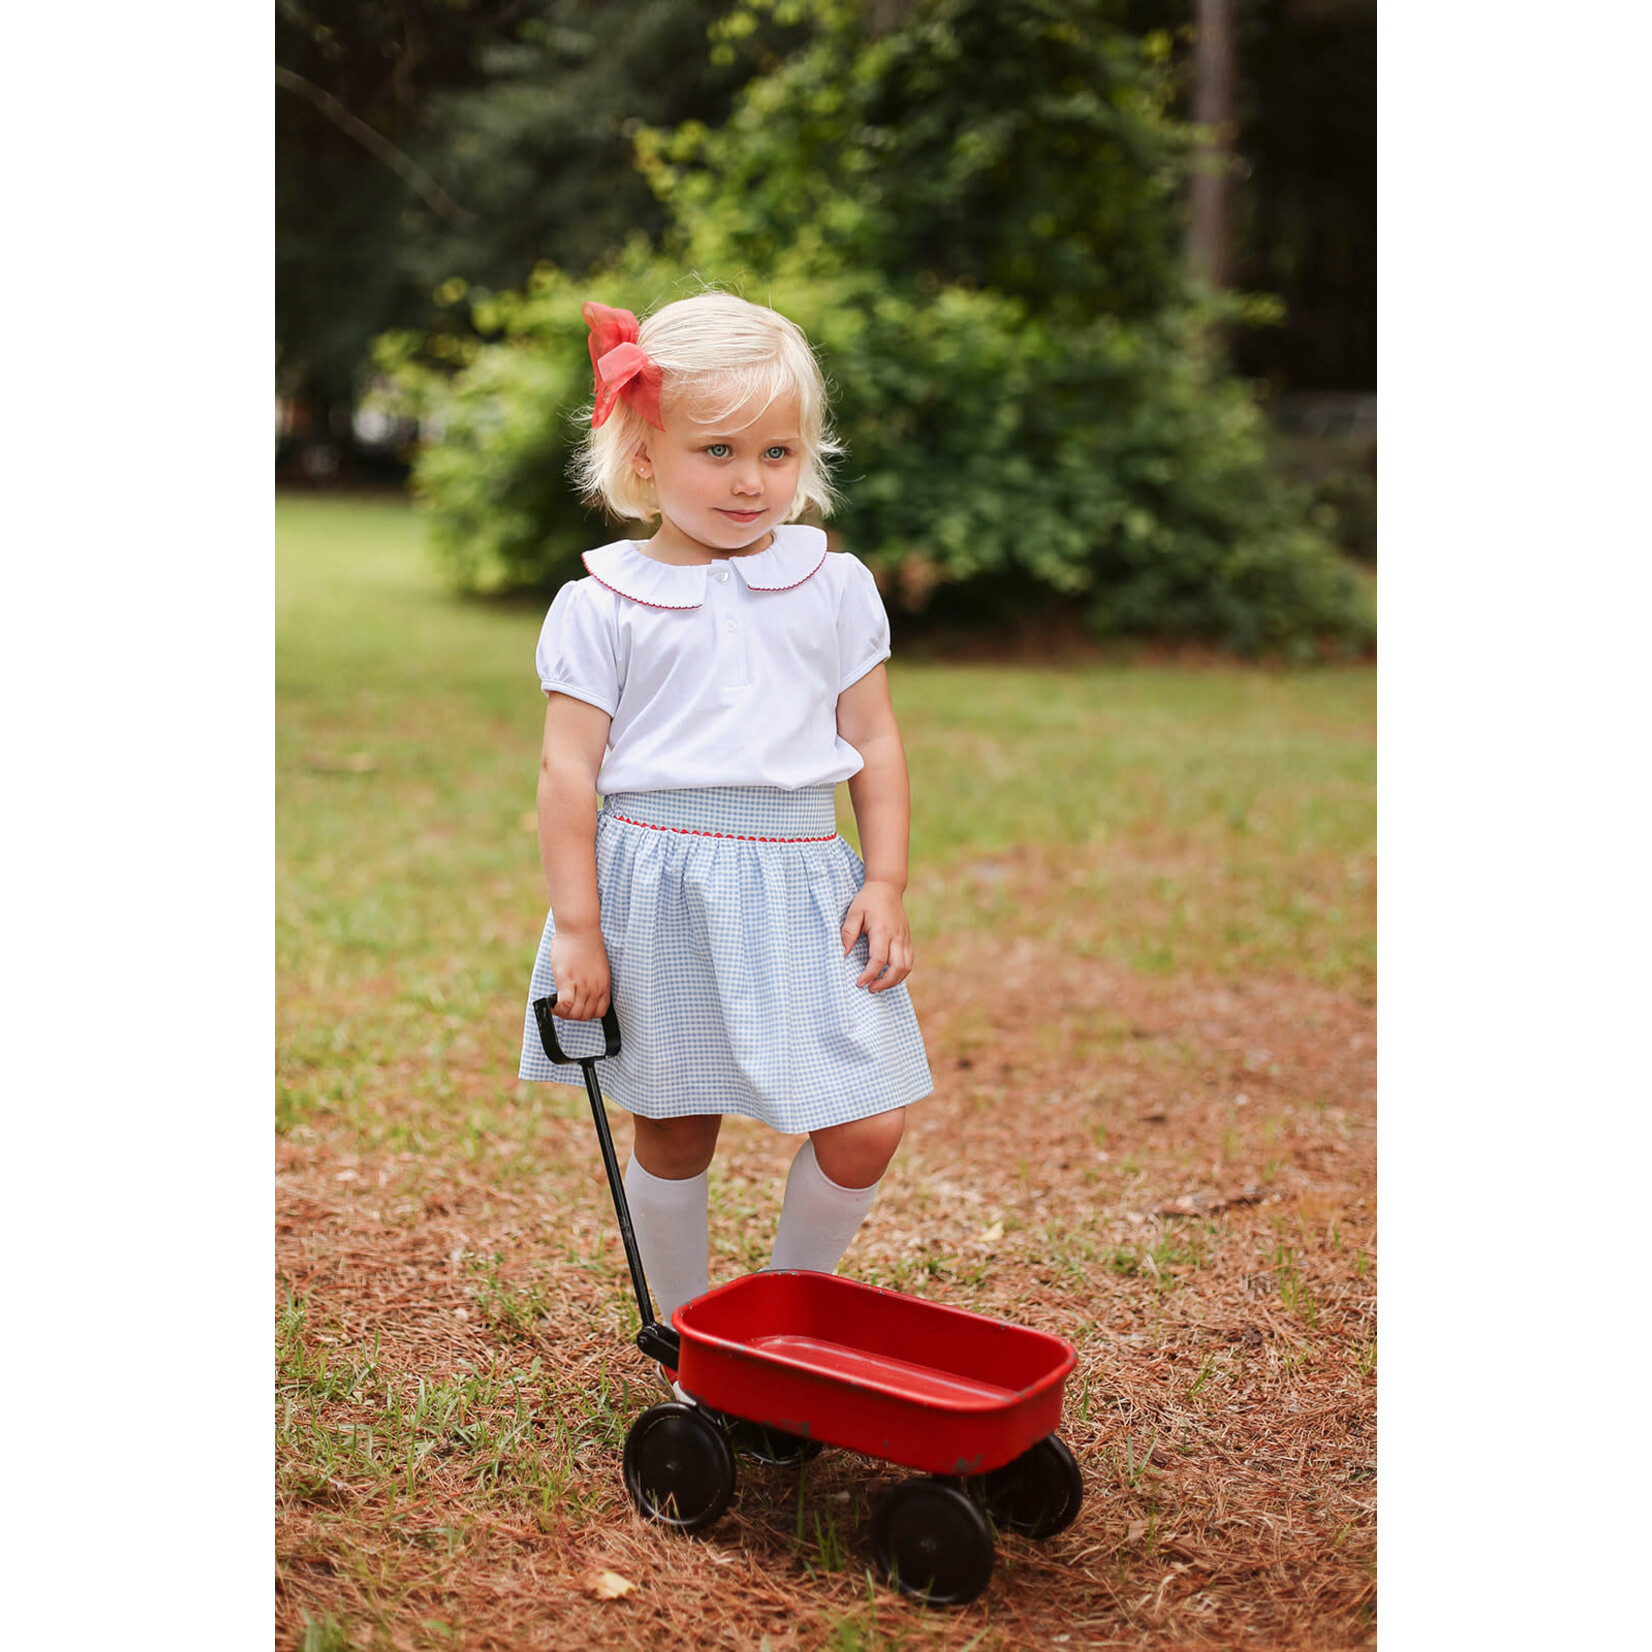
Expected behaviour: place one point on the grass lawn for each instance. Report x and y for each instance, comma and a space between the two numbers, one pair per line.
1144, 902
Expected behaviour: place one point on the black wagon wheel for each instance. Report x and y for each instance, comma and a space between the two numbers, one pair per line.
678, 1467
1038, 1494
773, 1446
932, 1542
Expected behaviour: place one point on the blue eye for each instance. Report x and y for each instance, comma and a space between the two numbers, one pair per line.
718, 450
776, 453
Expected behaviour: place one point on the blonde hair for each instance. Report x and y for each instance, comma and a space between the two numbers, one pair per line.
717, 353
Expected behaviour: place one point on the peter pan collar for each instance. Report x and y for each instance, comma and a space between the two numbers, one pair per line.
797, 554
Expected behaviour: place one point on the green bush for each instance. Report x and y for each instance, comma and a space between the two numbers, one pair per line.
1339, 474
1012, 439
494, 480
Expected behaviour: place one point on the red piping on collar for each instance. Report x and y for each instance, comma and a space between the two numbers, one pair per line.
683, 607
675, 607
796, 582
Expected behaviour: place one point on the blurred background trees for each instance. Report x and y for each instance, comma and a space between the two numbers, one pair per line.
505, 134
977, 211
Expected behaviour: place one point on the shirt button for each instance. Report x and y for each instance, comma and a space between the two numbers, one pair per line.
721, 576
731, 625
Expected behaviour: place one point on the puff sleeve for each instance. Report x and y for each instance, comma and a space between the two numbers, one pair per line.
577, 653
862, 626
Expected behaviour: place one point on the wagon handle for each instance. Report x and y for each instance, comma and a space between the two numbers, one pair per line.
657, 1341
542, 1008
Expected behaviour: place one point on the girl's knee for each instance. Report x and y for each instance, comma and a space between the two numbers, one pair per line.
676, 1148
856, 1154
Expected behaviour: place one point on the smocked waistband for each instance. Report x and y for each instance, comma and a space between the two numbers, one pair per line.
764, 814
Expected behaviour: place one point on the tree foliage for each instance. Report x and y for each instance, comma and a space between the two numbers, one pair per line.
516, 121
1018, 147
343, 217
973, 217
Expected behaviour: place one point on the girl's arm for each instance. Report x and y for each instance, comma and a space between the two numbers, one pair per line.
576, 735
881, 796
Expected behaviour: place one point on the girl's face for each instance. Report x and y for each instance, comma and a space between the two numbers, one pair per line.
724, 485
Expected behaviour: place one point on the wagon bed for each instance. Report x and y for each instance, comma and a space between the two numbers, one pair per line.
929, 1387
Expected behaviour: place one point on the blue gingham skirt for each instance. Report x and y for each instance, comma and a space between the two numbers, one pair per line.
729, 979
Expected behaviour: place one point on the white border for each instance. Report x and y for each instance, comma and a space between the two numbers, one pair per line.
1515, 376
137, 627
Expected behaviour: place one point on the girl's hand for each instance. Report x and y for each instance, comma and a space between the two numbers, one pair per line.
866, 720
879, 910
579, 966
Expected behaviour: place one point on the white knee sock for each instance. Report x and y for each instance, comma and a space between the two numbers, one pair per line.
669, 1220
817, 1218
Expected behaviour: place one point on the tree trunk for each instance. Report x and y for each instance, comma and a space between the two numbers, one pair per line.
1208, 229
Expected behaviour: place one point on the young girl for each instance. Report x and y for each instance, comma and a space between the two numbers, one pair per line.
714, 683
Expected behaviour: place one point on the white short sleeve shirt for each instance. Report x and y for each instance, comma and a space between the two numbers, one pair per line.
721, 674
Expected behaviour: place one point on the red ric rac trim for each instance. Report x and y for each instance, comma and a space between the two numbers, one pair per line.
737, 837
675, 607
796, 582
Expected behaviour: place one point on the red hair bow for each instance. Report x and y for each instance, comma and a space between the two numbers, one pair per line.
621, 366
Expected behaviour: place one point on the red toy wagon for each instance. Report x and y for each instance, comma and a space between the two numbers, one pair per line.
784, 1364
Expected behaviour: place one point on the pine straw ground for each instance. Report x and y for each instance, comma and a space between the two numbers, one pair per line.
1177, 1175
